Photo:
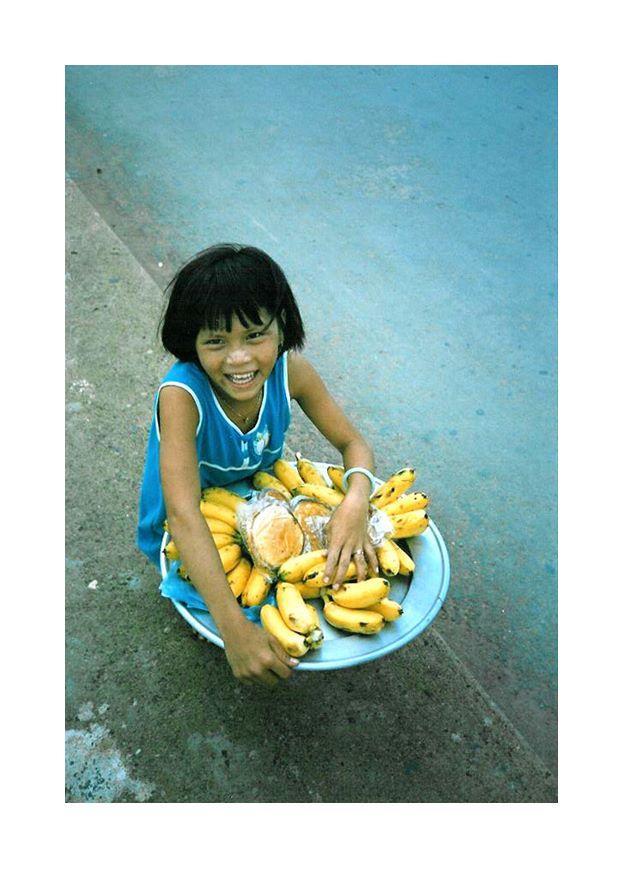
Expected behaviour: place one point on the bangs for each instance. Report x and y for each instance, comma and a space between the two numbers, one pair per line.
241, 290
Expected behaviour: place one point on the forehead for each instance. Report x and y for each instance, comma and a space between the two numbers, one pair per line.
236, 326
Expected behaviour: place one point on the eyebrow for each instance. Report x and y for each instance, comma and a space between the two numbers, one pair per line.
260, 327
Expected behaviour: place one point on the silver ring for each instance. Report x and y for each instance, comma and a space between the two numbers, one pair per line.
358, 552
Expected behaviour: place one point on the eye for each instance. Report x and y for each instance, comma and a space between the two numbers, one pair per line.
255, 335
212, 341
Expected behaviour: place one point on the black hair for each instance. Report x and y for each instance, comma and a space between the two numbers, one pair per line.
225, 280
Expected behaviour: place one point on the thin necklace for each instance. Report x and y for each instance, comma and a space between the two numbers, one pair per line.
244, 419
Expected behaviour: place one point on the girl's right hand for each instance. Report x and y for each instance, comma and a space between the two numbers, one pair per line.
256, 657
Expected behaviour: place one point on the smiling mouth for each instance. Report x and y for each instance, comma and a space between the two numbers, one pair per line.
241, 379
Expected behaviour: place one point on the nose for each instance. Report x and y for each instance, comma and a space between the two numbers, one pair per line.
238, 355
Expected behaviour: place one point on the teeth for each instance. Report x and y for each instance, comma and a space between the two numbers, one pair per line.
247, 378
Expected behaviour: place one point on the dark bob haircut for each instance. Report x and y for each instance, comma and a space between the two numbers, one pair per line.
225, 280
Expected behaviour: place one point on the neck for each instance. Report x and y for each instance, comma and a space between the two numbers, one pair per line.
243, 410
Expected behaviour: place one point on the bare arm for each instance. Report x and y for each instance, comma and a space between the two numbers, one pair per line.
253, 656
349, 524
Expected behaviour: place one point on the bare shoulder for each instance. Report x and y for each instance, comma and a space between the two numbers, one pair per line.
177, 410
299, 371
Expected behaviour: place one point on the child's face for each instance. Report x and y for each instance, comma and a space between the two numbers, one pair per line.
237, 353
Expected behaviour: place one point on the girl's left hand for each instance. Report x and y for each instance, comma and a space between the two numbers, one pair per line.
347, 535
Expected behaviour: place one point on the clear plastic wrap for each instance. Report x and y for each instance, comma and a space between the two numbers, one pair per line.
270, 532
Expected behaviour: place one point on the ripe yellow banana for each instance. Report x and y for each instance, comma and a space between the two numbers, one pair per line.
315, 637
413, 501
238, 576
273, 623
321, 493
293, 609
171, 551
406, 525
314, 577
389, 609
293, 570
218, 527
407, 565
287, 474
388, 558
263, 480
229, 556
362, 622
362, 594
256, 588
308, 592
223, 497
336, 473
307, 471
393, 487
224, 539
218, 512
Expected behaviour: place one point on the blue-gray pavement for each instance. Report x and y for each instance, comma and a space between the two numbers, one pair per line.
413, 210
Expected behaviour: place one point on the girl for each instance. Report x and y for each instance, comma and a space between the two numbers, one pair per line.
221, 414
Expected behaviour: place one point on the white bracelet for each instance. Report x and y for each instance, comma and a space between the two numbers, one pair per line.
349, 471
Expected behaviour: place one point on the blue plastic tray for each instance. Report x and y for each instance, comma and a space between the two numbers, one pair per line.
421, 597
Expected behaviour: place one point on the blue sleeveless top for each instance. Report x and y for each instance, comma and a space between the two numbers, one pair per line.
225, 454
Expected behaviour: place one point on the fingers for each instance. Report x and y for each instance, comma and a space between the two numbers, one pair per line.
371, 558
360, 563
340, 568
283, 663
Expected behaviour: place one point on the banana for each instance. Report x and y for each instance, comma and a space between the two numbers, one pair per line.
238, 576
407, 565
273, 623
171, 551
321, 493
393, 487
256, 588
218, 512
223, 497
314, 577
308, 592
389, 609
406, 525
362, 622
413, 501
308, 472
315, 637
263, 480
336, 473
388, 558
293, 609
218, 527
293, 570
287, 474
229, 556
362, 594
224, 539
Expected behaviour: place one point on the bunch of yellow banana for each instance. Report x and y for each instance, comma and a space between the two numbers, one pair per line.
219, 509
407, 514
293, 623
362, 607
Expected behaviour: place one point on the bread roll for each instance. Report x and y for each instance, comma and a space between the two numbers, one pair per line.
274, 535
312, 516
